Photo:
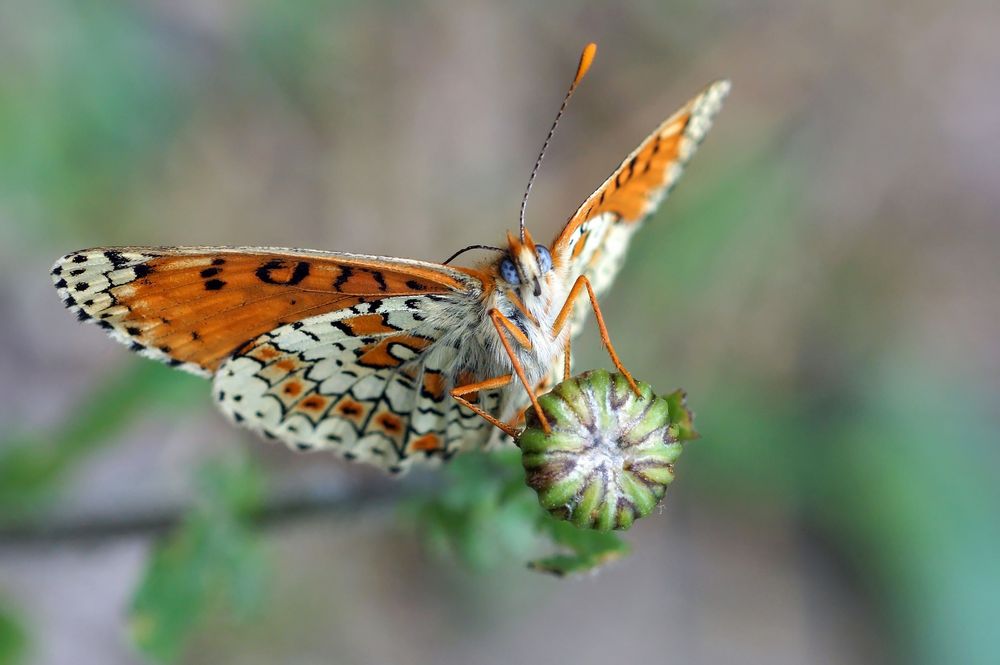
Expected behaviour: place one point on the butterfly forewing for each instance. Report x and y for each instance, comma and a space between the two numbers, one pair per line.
595, 239
193, 307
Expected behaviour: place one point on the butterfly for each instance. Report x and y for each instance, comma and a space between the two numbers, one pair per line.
384, 360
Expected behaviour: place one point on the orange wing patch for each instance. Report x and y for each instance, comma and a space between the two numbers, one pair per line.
354, 411
596, 238
627, 194
194, 307
639, 183
434, 385
392, 351
314, 404
426, 443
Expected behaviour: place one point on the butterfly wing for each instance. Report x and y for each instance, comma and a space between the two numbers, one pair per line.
193, 307
317, 349
369, 381
595, 239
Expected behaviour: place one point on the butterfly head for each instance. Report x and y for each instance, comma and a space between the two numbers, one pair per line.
525, 264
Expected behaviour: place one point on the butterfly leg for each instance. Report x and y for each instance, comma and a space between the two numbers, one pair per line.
502, 324
566, 359
489, 384
519, 418
583, 283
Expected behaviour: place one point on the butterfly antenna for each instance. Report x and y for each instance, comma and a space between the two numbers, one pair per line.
586, 58
470, 247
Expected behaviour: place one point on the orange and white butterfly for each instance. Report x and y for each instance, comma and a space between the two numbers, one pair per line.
383, 360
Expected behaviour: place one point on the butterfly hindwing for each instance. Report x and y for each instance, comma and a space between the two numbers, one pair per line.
370, 382
595, 239
193, 307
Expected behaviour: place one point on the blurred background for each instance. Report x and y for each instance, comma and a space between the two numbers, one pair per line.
824, 282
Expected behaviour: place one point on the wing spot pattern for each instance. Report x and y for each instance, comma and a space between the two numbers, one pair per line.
595, 239
314, 403
217, 293
276, 272
372, 388
104, 276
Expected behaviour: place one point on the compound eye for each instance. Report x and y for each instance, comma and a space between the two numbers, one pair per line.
544, 258
509, 272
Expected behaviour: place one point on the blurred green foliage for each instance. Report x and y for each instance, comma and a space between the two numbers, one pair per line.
581, 550
484, 514
213, 561
31, 464
914, 507
891, 482
91, 102
13, 641
875, 452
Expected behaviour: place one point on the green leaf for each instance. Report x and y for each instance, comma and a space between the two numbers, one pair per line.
212, 562
681, 417
481, 513
484, 514
588, 549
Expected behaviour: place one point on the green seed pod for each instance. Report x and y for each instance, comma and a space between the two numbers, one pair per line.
610, 454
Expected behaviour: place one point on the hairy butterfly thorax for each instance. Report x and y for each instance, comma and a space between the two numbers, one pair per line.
528, 292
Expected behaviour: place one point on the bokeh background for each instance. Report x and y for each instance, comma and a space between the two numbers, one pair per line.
825, 282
